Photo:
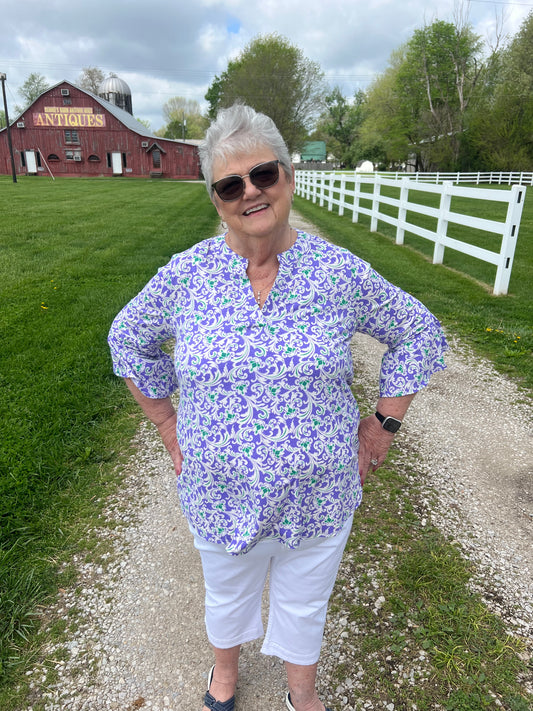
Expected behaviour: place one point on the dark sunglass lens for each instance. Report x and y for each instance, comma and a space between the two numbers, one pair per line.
265, 175
229, 188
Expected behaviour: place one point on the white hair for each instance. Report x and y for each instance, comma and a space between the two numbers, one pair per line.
240, 129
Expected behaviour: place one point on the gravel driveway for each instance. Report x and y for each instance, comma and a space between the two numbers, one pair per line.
141, 640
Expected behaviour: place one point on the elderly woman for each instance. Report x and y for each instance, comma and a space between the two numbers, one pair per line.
267, 442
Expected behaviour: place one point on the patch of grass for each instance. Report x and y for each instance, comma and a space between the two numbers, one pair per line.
409, 629
72, 253
458, 292
415, 634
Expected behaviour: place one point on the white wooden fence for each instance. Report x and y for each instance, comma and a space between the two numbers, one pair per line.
491, 177
334, 189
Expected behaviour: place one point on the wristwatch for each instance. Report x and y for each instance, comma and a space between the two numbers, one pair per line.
391, 424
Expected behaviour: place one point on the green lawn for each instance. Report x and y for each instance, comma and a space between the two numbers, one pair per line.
72, 252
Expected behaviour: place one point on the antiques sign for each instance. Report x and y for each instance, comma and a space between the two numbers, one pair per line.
69, 117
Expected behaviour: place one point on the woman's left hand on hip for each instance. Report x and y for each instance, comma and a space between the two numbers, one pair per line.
374, 443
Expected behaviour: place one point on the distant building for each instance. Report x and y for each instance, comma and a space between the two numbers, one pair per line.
364, 166
69, 131
312, 151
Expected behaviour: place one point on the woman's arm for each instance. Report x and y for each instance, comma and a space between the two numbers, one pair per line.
161, 412
374, 441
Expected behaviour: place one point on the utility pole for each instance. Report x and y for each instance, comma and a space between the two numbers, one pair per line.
3, 78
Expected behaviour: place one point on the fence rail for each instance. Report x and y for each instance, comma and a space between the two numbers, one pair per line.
489, 177
345, 191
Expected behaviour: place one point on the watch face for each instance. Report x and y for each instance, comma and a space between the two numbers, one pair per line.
391, 424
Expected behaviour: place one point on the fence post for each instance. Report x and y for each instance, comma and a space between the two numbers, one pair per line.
315, 186
342, 193
312, 185
442, 224
357, 194
402, 210
331, 189
510, 235
375, 203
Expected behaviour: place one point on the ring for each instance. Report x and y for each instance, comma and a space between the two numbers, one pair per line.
374, 462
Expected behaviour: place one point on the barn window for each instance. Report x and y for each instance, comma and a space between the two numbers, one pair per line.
53, 157
156, 158
69, 155
72, 137
93, 159
67, 102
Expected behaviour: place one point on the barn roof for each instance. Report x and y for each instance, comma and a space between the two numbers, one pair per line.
123, 116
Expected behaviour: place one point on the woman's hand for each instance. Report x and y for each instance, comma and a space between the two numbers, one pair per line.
167, 430
374, 443
161, 412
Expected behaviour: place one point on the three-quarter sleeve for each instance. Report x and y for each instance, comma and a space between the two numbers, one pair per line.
415, 339
138, 333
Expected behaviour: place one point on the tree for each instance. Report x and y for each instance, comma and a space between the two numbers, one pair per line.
502, 132
341, 122
90, 79
273, 77
145, 123
422, 105
184, 119
32, 88
440, 78
390, 126
2, 119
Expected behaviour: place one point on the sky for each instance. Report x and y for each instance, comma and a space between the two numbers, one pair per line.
166, 48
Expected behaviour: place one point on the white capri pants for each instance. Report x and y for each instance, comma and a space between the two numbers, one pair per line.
301, 582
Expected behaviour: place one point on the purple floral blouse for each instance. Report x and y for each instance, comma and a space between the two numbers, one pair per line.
267, 421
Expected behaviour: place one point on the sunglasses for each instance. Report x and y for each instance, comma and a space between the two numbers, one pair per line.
264, 175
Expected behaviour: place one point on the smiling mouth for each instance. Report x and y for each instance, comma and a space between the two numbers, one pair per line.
256, 208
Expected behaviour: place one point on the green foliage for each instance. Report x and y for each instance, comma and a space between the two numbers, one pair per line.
388, 126
32, 88
503, 131
420, 108
341, 123
273, 77
430, 643
184, 119
72, 252
90, 79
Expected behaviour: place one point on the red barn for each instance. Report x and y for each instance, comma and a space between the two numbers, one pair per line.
69, 131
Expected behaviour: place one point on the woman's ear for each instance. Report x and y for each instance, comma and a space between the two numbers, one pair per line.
215, 203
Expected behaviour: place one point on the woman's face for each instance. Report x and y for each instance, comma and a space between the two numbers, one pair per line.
258, 212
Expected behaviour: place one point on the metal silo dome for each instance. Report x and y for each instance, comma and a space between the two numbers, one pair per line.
117, 92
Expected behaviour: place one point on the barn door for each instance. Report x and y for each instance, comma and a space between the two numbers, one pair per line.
116, 163
31, 162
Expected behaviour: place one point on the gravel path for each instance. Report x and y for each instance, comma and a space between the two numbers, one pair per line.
141, 643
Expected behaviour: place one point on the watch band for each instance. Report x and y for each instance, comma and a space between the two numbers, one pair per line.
390, 424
